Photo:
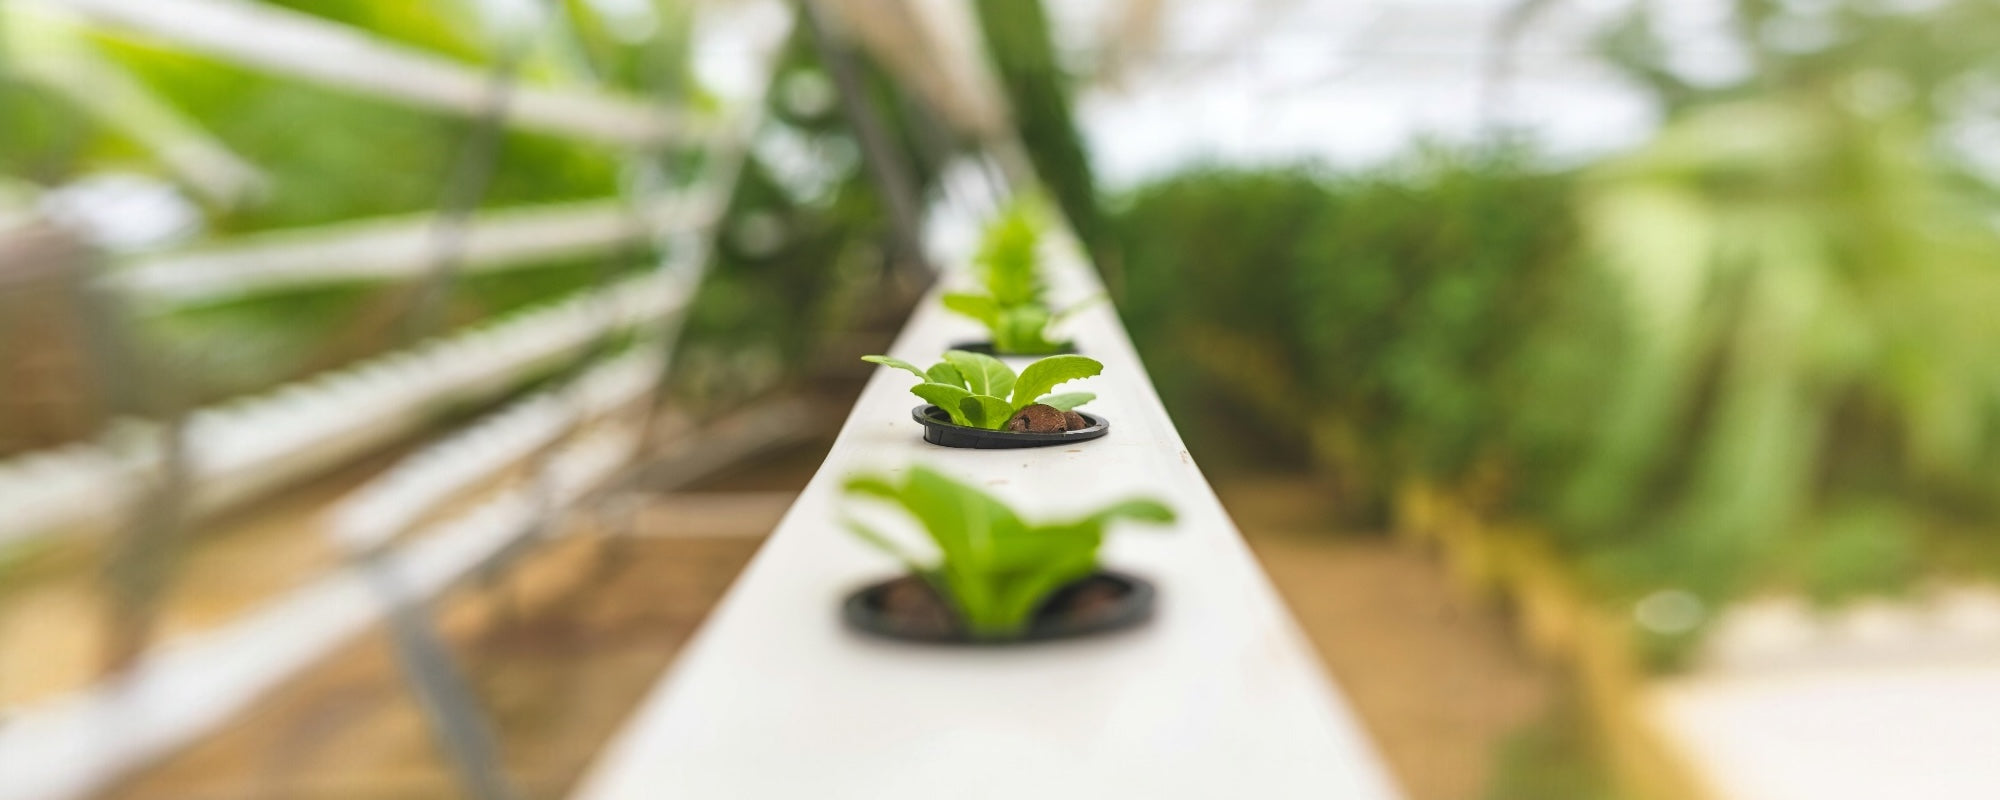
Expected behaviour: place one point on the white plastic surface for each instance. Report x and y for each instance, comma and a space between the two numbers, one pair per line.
1880, 698
1218, 697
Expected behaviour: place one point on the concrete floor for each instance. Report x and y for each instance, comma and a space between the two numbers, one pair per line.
1432, 673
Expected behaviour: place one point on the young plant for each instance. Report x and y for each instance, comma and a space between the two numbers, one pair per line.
980, 391
992, 568
1012, 308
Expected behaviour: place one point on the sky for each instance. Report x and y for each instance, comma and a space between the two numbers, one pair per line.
1353, 82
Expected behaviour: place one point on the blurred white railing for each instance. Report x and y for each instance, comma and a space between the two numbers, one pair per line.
81, 743
404, 248
558, 446
300, 45
249, 446
389, 505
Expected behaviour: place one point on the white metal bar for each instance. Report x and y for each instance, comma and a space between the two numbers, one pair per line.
403, 247
306, 47
250, 446
78, 744
43, 48
1218, 697
395, 501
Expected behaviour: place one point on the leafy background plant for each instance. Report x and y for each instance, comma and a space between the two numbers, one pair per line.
980, 391
992, 567
1747, 356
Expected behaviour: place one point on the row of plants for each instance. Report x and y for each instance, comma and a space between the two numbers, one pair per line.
1752, 355
991, 576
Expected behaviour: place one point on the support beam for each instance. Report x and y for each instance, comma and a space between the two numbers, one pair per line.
251, 446
403, 248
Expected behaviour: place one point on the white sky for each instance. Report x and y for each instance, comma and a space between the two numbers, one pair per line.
1354, 81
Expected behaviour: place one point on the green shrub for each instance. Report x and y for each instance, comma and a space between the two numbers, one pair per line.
1364, 323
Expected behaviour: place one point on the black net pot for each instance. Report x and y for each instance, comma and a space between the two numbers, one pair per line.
940, 430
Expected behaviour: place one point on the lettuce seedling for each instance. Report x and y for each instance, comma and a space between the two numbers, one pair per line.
980, 391
993, 568
1012, 308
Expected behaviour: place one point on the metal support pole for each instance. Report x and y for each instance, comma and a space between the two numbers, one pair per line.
448, 703
885, 166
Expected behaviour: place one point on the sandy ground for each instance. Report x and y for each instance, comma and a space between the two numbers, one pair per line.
52, 609
1432, 673
559, 652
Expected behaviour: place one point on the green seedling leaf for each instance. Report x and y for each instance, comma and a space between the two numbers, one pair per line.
995, 570
886, 545
947, 397
1058, 317
1019, 596
974, 389
1008, 257
1067, 401
977, 306
1009, 268
1045, 374
986, 411
898, 364
968, 526
944, 372
983, 374
1092, 527
1136, 510
1021, 330
874, 485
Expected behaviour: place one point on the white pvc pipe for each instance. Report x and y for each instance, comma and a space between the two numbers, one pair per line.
402, 248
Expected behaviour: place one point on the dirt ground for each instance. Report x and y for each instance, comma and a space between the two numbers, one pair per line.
559, 653
564, 646
1432, 673
56, 601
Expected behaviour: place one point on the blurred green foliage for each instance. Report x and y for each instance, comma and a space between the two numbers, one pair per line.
799, 256
1361, 322
1556, 757
326, 156
1752, 354
790, 263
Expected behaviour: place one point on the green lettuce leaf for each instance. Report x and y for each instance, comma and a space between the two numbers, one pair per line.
898, 364
1045, 374
1067, 401
947, 397
983, 374
986, 411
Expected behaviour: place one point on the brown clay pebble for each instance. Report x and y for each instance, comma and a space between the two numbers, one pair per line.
1036, 418
1073, 421
1090, 601
915, 606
